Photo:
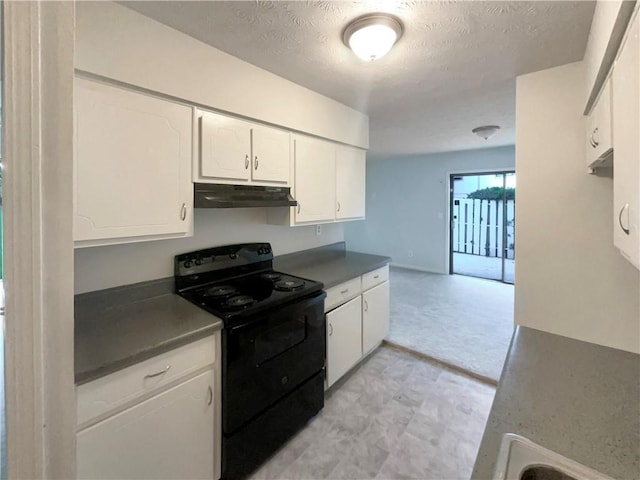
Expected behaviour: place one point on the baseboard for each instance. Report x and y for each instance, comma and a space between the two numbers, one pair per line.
417, 269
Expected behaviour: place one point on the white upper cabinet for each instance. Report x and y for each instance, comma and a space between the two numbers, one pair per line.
235, 151
350, 182
270, 155
329, 183
225, 148
626, 143
315, 176
598, 134
132, 166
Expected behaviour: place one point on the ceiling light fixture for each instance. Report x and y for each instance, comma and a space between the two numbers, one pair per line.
486, 131
372, 36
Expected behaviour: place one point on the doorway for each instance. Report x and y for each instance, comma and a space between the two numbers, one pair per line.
482, 209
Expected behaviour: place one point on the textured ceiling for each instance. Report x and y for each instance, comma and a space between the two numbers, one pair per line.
453, 69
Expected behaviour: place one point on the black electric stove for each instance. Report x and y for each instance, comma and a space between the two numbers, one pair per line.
236, 282
273, 347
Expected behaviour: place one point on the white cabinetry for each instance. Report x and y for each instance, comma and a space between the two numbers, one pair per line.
167, 436
329, 184
132, 166
350, 183
315, 170
598, 132
235, 151
344, 339
157, 419
626, 142
357, 320
375, 315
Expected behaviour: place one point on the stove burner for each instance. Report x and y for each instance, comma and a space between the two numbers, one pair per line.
289, 285
272, 276
220, 291
239, 301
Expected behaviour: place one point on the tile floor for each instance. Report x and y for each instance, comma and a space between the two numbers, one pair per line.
463, 321
395, 416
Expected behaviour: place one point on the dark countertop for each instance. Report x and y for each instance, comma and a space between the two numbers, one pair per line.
121, 326
330, 264
578, 399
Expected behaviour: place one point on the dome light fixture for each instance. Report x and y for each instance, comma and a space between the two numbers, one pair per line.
372, 36
486, 131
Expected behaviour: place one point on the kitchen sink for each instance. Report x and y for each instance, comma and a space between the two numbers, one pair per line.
521, 459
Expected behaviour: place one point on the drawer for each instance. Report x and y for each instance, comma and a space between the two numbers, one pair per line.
342, 293
101, 396
376, 277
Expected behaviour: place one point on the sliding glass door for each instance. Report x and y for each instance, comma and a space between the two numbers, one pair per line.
482, 220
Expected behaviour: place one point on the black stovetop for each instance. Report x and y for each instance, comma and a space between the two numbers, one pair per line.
237, 282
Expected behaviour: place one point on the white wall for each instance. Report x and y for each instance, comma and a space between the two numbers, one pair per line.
407, 205
570, 280
103, 267
116, 42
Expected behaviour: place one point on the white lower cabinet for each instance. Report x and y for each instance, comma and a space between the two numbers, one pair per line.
160, 418
375, 316
344, 339
167, 436
357, 321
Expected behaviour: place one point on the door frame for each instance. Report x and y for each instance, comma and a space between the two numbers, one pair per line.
449, 203
38, 53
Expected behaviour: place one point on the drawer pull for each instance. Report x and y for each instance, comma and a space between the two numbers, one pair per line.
157, 374
346, 290
375, 277
210, 396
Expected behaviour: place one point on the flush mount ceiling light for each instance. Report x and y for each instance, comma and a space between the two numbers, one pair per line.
372, 36
486, 131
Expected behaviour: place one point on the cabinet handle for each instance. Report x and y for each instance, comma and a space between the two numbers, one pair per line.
330, 329
157, 374
256, 162
338, 206
366, 306
342, 292
591, 141
625, 230
595, 142
246, 162
375, 277
210, 396
298, 207
183, 212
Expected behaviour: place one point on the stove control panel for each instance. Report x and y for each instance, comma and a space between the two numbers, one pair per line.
216, 259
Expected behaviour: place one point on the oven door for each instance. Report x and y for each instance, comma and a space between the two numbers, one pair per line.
269, 356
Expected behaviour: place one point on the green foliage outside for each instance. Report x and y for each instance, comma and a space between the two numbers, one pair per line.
493, 193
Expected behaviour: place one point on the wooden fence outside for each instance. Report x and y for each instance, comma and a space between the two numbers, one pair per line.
478, 224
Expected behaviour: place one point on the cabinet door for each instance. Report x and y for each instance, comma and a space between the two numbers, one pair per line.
225, 149
344, 339
170, 435
375, 316
350, 183
132, 164
626, 125
271, 155
314, 180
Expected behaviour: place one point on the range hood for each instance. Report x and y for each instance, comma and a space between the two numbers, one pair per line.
208, 195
